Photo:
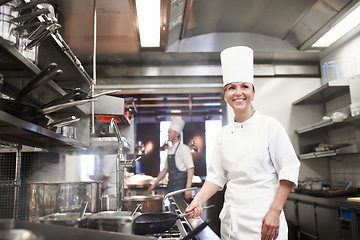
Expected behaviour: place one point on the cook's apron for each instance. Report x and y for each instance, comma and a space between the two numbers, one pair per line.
246, 200
177, 178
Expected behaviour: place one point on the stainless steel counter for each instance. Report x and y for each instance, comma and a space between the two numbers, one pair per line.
340, 201
56, 232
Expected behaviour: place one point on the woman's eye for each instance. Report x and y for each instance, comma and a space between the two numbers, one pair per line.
231, 88
245, 86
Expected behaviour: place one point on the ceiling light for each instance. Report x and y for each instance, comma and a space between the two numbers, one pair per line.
340, 29
175, 111
148, 14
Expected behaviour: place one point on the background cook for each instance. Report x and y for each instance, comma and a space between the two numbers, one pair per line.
179, 163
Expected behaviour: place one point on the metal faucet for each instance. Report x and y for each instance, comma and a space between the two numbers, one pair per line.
121, 164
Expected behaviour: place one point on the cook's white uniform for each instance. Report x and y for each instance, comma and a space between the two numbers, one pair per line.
251, 157
109, 170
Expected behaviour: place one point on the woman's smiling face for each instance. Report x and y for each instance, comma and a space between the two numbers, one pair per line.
239, 95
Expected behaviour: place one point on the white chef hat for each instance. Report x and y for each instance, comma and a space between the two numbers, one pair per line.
177, 124
237, 65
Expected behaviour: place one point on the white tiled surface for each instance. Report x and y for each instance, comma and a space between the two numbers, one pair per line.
346, 169
339, 104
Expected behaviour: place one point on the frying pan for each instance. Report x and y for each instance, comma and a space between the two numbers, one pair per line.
149, 223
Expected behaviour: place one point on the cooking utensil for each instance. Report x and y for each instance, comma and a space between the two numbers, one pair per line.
7, 26
150, 203
136, 209
47, 198
83, 209
115, 221
67, 131
2, 2
63, 122
31, 15
149, 223
24, 111
109, 203
79, 94
70, 219
27, 5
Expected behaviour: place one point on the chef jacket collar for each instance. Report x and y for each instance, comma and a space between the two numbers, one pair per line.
247, 123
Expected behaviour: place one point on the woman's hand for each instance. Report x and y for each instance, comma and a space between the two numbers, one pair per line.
270, 225
196, 207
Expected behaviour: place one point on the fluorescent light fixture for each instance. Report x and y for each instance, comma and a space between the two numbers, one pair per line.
175, 111
340, 29
148, 14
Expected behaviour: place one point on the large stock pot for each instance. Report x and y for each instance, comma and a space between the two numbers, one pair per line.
47, 198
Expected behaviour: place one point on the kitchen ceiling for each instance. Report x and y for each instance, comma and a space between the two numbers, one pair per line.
193, 34
297, 22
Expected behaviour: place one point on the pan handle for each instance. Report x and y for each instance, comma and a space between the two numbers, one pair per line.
182, 215
196, 231
38, 80
65, 105
179, 191
27, 5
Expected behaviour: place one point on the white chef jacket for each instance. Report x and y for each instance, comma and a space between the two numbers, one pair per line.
251, 157
183, 157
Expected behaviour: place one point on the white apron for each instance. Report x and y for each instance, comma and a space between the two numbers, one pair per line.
251, 187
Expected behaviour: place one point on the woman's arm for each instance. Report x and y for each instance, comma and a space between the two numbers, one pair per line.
271, 221
206, 192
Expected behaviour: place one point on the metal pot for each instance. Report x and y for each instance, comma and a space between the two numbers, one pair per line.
150, 203
115, 221
67, 131
7, 26
48, 198
109, 203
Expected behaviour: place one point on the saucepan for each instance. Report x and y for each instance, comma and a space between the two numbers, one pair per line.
71, 219
150, 203
7, 26
115, 221
149, 223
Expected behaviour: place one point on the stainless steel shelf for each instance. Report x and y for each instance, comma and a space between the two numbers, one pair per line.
13, 129
322, 154
327, 125
323, 94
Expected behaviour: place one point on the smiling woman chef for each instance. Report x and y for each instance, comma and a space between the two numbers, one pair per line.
253, 156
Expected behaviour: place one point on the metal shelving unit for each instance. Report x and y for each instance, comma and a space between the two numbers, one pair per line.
320, 96
17, 70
